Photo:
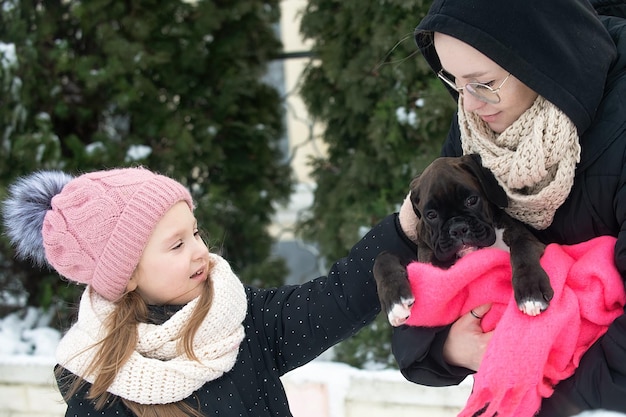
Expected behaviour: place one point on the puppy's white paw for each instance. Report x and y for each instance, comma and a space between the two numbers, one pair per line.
400, 312
532, 307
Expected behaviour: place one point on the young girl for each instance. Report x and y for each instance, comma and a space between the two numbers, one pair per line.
164, 327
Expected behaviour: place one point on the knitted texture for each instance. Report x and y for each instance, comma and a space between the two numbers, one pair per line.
533, 159
100, 222
156, 372
526, 356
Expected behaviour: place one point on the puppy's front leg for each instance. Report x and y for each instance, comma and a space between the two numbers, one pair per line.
531, 283
394, 290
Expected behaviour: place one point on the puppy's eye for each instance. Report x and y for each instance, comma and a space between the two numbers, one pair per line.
431, 215
471, 201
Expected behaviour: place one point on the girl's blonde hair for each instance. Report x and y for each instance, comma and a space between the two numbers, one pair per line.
116, 348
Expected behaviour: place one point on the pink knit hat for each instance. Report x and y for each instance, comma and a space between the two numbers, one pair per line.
100, 223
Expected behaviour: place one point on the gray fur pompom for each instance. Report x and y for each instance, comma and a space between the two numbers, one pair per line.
24, 209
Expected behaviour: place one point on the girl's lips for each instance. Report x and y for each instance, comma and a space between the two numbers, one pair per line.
490, 118
199, 274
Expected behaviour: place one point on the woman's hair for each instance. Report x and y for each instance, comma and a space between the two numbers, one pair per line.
119, 344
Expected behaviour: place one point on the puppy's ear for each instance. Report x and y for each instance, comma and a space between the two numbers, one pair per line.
415, 196
488, 181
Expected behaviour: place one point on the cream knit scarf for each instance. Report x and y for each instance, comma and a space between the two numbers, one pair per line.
533, 159
156, 373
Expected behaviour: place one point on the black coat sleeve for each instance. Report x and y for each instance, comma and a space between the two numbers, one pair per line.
419, 354
302, 321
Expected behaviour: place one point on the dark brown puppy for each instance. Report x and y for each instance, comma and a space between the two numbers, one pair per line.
459, 205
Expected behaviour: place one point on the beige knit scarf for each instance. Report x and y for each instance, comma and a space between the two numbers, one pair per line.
533, 159
156, 372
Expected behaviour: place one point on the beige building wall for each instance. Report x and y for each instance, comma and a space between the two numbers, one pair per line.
303, 135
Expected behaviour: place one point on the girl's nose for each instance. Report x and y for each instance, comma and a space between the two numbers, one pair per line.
200, 248
471, 103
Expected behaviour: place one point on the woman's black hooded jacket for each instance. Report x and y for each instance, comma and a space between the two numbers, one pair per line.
577, 60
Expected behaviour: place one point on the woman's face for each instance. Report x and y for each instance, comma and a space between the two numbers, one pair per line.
175, 263
466, 64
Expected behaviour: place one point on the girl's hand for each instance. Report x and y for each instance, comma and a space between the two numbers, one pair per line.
408, 218
466, 343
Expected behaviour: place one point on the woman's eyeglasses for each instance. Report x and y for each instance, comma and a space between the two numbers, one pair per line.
481, 91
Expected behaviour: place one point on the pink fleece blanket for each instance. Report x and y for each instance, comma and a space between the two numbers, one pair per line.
527, 355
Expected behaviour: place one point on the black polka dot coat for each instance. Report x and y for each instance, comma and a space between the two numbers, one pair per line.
287, 327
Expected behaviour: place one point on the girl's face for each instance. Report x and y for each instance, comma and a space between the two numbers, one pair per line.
175, 263
466, 65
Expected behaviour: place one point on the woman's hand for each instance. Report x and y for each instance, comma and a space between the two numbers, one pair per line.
466, 343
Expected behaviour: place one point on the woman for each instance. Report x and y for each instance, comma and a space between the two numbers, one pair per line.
540, 86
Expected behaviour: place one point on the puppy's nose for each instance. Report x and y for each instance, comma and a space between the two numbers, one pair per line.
459, 230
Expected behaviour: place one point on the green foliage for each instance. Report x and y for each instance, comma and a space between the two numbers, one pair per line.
171, 85
385, 118
370, 348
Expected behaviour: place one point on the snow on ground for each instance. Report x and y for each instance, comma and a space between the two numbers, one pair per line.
27, 337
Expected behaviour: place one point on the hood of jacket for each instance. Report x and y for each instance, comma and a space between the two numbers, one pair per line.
558, 48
